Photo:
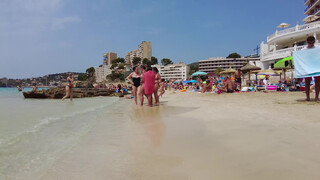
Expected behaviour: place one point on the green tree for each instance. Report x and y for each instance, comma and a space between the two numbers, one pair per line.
136, 60
154, 60
121, 66
82, 77
194, 67
118, 60
234, 55
166, 61
218, 70
147, 62
90, 74
90, 71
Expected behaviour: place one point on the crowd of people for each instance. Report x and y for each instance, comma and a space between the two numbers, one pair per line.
146, 81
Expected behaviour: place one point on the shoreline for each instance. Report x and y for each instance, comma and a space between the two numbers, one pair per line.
201, 136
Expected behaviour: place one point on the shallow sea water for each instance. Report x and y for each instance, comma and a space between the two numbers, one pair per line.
34, 133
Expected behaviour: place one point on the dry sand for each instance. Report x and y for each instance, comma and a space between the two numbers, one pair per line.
240, 136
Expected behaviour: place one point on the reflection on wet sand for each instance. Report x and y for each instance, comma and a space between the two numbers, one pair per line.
151, 120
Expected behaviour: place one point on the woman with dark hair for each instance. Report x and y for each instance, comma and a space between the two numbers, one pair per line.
135, 79
69, 87
156, 84
119, 89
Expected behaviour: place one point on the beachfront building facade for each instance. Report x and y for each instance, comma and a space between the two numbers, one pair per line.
210, 65
313, 7
283, 42
101, 72
108, 57
179, 71
144, 50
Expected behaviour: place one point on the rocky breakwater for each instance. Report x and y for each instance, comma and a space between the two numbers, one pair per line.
58, 93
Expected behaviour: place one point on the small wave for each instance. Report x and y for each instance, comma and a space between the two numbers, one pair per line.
48, 121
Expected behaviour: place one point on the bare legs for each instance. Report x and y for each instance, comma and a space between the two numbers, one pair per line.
149, 96
141, 94
156, 95
134, 93
68, 93
308, 81
317, 84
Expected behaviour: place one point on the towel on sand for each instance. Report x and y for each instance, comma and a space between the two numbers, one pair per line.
307, 62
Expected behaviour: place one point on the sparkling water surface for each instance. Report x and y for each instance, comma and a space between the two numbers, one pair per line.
36, 132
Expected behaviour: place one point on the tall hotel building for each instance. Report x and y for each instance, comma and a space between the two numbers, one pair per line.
281, 43
144, 50
108, 57
103, 70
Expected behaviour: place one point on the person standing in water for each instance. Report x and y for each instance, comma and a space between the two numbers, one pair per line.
162, 87
148, 80
69, 87
156, 84
135, 79
141, 87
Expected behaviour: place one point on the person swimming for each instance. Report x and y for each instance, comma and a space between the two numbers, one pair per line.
69, 87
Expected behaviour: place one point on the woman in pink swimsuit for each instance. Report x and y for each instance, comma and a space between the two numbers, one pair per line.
149, 80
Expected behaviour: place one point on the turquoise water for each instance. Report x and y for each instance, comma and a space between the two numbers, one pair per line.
35, 133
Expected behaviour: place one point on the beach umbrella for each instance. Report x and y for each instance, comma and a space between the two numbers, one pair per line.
228, 71
310, 18
185, 82
283, 25
193, 81
199, 73
281, 65
177, 82
248, 68
269, 72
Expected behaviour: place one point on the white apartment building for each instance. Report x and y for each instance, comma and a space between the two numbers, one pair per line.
101, 72
283, 42
211, 64
179, 71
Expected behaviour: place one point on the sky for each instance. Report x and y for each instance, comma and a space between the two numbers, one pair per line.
39, 37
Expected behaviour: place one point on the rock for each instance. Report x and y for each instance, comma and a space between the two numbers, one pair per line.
83, 84
58, 93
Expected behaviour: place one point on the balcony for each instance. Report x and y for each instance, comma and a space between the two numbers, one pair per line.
279, 54
310, 6
296, 29
307, 2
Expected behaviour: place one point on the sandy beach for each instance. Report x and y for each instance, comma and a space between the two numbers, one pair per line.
243, 136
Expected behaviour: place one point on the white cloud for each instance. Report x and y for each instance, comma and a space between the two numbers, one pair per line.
59, 23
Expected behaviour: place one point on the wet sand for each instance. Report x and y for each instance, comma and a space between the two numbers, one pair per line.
249, 136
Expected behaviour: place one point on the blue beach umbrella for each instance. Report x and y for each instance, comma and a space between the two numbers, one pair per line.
185, 82
199, 73
177, 82
193, 81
